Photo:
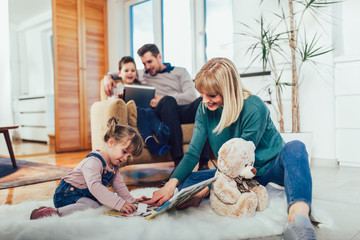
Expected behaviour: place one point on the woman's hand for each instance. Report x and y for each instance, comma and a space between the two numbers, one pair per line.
164, 194
128, 208
196, 200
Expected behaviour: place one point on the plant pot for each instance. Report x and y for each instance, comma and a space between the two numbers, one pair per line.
305, 137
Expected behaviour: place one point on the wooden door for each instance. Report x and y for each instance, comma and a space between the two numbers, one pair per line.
96, 64
80, 60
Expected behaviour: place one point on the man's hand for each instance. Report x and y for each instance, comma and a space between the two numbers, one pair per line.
163, 194
109, 83
154, 102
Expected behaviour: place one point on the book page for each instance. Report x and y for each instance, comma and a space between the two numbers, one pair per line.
182, 196
143, 210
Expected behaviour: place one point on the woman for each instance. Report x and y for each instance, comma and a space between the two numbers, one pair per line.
229, 111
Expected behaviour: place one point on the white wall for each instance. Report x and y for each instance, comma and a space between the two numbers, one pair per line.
316, 92
6, 117
31, 59
350, 28
116, 33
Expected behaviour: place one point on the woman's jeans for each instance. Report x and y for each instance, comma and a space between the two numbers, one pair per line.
289, 169
196, 177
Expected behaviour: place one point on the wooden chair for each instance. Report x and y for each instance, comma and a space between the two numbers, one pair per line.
5, 130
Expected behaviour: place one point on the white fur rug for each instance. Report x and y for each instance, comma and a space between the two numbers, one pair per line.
192, 223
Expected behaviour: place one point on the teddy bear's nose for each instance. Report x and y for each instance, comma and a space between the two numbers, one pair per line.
254, 171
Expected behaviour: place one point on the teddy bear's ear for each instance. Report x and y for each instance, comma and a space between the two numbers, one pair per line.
224, 150
252, 145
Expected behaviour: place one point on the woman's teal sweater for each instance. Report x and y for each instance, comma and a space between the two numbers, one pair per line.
254, 124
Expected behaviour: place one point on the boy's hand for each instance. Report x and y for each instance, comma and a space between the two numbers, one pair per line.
120, 96
109, 83
128, 208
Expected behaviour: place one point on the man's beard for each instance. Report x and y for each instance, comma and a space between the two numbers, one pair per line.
156, 72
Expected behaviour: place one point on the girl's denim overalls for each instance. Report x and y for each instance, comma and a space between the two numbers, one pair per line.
66, 194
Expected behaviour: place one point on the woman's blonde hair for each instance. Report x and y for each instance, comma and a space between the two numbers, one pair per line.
122, 134
219, 76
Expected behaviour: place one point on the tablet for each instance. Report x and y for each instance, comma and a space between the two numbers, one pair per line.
142, 95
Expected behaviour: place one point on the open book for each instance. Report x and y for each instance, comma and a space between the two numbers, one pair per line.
150, 211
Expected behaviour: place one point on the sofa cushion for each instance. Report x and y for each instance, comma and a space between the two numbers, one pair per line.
132, 113
187, 130
101, 112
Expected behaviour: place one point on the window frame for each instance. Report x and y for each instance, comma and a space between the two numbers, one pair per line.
197, 15
157, 23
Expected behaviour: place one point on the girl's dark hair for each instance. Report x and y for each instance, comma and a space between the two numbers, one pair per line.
122, 134
128, 59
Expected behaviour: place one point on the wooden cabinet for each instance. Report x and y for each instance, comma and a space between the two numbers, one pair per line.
80, 61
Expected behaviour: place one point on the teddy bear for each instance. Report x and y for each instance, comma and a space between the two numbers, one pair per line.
234, 193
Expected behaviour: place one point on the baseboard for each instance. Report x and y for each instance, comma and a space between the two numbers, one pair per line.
324, 162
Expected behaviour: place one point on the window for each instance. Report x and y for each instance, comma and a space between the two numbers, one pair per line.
177, 33
187, 32
219, 29
141, 27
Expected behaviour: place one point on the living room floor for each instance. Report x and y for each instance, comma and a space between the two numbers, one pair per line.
336, 190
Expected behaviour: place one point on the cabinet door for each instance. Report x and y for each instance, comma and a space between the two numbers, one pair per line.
96, 64
80, 59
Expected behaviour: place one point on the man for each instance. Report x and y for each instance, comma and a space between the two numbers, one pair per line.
175, 101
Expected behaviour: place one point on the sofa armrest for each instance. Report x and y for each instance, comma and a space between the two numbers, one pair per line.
101, 112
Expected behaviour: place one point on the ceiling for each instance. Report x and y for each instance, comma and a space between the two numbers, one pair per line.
21, 10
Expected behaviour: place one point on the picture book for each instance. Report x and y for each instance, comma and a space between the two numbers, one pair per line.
150, 211
143, 210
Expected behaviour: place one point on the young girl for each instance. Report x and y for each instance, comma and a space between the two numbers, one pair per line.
86, 185
147, 121
229, 111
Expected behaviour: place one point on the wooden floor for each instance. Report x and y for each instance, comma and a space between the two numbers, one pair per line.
136, 176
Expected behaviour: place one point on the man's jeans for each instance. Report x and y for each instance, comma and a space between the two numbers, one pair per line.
147, 122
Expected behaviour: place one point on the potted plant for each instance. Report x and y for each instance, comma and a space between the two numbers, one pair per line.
285, 44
